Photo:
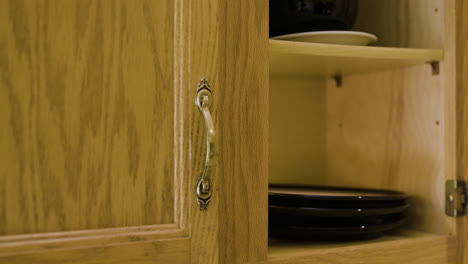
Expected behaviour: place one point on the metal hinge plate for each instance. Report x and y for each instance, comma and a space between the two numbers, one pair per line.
456, 198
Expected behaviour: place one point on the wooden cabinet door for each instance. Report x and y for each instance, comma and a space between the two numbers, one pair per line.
100, 140
91, 157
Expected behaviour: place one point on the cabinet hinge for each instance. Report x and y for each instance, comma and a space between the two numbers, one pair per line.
456, 198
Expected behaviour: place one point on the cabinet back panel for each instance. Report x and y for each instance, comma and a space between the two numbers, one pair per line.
403, 23
297, 131
381, 130
86, 114
386, 130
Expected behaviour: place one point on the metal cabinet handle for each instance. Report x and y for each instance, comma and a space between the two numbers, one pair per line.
203, 101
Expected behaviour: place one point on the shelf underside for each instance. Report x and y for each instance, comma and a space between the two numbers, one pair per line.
296, 60
407, 247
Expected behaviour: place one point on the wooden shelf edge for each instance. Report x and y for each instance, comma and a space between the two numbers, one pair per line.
369, 52
297, 60
428, 249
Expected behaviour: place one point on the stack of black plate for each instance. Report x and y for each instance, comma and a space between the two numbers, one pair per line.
318, 213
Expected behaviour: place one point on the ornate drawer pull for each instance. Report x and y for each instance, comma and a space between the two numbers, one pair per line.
203, 188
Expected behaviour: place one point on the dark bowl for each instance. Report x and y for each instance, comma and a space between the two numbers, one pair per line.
294, 16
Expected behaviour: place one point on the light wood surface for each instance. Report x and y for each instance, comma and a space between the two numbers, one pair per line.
297, 131
242, 116
298, 60
410, 248
84, 106
404, 23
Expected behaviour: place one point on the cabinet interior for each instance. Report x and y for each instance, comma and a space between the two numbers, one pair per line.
391, 129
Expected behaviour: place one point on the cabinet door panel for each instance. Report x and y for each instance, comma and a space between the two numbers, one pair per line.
87, 95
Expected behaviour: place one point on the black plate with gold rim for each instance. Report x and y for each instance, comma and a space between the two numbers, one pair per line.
330, 198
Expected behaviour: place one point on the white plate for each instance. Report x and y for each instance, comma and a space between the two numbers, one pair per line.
332, 37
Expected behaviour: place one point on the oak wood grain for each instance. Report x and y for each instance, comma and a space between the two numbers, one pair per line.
86, 95
159, 251
94, 233
57, 242
201, 43
242, 118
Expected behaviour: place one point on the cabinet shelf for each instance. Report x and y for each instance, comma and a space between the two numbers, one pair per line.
298, 60
402, 247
